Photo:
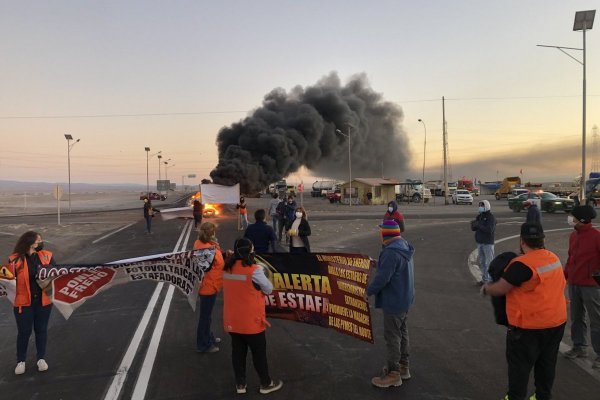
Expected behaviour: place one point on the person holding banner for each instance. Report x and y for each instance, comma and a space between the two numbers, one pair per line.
244, 317
243, 209
32, 307
393, 288
299, 231
149, 214
197, 213
206, 342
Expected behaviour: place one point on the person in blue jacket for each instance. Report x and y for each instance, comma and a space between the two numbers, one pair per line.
484, 226
394, 291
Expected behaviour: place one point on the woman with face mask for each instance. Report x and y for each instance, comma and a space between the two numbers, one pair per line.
31, 305
299, 232
392, 213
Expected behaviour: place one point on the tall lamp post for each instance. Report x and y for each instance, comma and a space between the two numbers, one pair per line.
167, 166
159, 157
584, 21
424, 149
147, 175
69, 147
349, 164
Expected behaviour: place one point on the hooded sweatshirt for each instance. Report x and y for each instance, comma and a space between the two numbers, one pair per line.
484, 225
393, 284
395, 215
584, 256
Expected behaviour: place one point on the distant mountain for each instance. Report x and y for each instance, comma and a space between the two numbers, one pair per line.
46, 186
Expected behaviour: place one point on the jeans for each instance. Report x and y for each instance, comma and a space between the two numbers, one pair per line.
148, 223
204, 336
532, 348
239, 349
395, 333
34, 317
244, 221
585, 306
486, 255
276, 223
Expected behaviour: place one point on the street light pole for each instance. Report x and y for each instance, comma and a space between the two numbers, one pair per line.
424, 149
584, 21
69, 147
349, 164
159, 157
147, 175
166, 167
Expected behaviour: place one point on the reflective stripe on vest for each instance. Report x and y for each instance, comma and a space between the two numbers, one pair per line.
234, 277
23, 291
540, 302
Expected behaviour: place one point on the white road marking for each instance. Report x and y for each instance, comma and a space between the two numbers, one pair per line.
141, 385
476, 272
112, 233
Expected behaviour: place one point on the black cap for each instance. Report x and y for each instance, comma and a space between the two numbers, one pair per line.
584, 214
532, 230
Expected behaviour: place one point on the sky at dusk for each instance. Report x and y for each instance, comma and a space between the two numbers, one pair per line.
123, 75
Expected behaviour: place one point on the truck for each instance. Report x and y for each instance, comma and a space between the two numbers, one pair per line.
467, 184
320, 188
412, 190
279, 187
507, 186
437, 187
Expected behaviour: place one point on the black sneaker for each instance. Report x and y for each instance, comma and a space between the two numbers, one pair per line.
273, 387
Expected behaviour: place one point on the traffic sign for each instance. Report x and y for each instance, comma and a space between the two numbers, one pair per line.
300, 187
163, 185
191, 175
57, 192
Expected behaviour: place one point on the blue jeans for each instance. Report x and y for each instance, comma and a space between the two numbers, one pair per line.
244, 221
32, 318
204, 336
585, 308
148, 223
486, 255
276, 222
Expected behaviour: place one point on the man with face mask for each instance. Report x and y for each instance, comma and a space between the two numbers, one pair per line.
392, 213
584, 292
536, 309
484, 226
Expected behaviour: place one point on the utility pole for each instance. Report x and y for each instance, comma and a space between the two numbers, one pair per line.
445, 141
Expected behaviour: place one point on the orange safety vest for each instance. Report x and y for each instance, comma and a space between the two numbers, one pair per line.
213, 279
18, 266
540, 302
244, 305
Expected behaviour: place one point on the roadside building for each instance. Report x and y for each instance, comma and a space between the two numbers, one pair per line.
382, 191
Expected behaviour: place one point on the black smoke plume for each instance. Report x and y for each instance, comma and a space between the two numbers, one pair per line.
299, 128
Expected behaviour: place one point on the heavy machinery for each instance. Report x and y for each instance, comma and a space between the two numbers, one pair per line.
507, 186
321, 188
412, 190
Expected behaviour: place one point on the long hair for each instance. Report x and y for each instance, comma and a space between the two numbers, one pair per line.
24, 243
241, 251
301, 209
207, 232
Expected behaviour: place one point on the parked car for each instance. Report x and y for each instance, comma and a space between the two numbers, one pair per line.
549, 202
462, 196
334, 196
153, 196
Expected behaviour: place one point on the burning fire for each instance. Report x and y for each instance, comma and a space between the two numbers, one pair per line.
210, 210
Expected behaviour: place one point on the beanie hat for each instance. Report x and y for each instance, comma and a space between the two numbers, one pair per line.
532, 230
584, 214
389, 230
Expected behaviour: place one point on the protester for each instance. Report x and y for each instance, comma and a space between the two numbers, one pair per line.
261, 234
244, 318
288, 214
584, 292
243, 210
533, 212
484, 226
206, 342
393, 214
280, 210
536, 309
298, 232
149, 214
32, 307
393, 288
273, 212
197, 212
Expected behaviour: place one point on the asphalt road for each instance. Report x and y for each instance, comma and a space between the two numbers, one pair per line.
457, 352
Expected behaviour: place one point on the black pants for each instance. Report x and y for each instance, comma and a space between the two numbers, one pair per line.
258, 346
532, 348
32, 318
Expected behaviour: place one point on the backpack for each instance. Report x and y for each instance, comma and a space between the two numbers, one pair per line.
280, 209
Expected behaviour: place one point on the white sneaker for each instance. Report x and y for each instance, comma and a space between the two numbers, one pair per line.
42, 365
20, 368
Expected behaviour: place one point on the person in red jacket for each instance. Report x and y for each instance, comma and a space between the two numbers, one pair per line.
584, 292
244, 317
393, 213
211, 285
31, 307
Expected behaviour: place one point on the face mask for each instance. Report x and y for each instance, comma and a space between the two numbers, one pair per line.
289, 202
298, 215
390, 209
481, 210
571, 220
40, 246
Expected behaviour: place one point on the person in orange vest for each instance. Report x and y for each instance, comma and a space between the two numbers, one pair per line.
241, 206
206, 342
32, 307
536, 308
244, 318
